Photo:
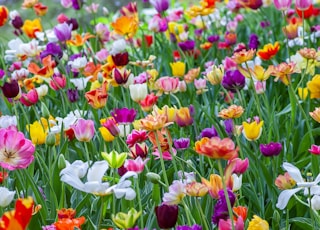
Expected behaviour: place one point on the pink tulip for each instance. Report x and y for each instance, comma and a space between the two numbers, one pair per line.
282, 4
30, 98
58, 82
168, 84
315, 149
303, 4
136, 165
83, 130
16, 152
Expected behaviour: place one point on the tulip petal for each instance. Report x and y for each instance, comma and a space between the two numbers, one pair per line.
285, 196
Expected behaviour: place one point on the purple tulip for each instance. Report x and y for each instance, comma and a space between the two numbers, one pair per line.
193, 227
253, 41
221, 207
63, 31
233, 80
271, 149
213, 38
181, 143
160, 5
209, 132
52, 49
124, 115
77, 4
229, 127
187, 45
73, 95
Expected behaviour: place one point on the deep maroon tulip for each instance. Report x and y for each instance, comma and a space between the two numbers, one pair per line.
74, 23
167, 215
221, 207
181, 143
124, 115
121, 59
271, 149
17, 22
233, 80
11, 89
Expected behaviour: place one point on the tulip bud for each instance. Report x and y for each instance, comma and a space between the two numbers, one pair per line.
153, 177
61, 162
114, 158
45, 111
51, 139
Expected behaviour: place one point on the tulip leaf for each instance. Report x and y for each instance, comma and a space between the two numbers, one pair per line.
302, 222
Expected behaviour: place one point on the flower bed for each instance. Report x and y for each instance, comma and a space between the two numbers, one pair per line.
194, 116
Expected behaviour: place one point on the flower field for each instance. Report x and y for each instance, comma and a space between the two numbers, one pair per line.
160, 115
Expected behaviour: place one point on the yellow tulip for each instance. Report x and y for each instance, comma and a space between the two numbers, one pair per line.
178, 68
126, 220
253, 130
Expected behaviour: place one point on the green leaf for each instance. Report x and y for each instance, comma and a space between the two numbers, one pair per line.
302, 223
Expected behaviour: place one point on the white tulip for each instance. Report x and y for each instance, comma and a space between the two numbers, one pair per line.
6, 196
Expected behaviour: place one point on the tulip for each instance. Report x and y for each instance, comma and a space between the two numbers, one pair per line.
160, 5
6, 196
138, 92
83, 130
114, 158
303, 4
112, 126
233, 80
11, 89
29, 98
167, 215
282, 4
271, 149
136, 165
63, 31
126, 220
253, 130
4, 15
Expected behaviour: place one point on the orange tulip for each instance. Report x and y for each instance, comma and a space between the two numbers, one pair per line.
125, 26
31, 27
97, 98
214, 185
217, 148
78, 40
268, 51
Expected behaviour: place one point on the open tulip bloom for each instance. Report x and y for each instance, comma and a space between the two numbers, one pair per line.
295, 173
74, 172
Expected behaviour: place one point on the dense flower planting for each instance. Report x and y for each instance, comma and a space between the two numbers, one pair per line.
161, 115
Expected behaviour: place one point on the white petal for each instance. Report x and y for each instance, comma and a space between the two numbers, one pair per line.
6, 196
96, 172
285, 196
127, 175
293, 171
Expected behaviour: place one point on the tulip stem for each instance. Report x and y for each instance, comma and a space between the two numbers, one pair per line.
286, 32
101, 214
226, 194
140, 203
204, 220
162, 161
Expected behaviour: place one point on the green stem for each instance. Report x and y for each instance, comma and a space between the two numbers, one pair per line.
139, 202
204, 220
101, 213
226, 194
